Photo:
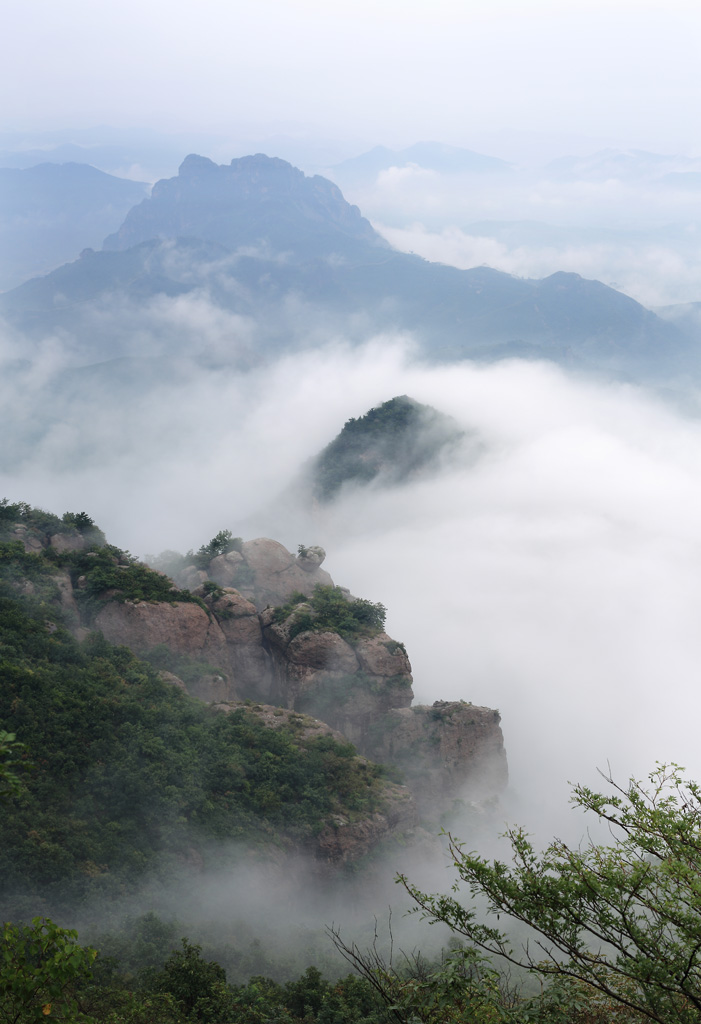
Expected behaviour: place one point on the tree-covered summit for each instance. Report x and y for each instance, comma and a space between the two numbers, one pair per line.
393, 441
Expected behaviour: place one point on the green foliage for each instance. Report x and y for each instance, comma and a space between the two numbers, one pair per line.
22, 513
197, 985
11, 759
394, 647
130, 772
44, 524
624, 920
108, 570
330, 610
393, 439
40, 966
212, 589
220, 544
44, 973
136, 952
80, 520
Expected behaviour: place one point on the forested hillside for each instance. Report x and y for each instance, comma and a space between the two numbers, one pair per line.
127, 775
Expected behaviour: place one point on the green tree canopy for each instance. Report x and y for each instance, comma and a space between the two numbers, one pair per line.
625, 918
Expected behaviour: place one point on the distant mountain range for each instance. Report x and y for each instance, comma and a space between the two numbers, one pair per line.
434, 156
256, 234
622, 165
50, 212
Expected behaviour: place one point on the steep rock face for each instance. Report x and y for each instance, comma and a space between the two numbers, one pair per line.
448, 751
183, 628
240, 625
345, 683
359, 685
356, 686
277, 574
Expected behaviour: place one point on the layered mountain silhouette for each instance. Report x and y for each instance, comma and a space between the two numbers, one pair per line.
255, 201
434, 156
51, 211
258, 234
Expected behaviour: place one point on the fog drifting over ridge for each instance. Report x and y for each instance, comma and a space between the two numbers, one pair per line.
556, 577
637, 232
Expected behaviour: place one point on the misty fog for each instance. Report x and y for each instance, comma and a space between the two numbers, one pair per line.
555, 575
550, 565
630, 220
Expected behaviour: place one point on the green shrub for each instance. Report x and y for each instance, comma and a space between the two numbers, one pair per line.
332, 611
220, 544
110, 569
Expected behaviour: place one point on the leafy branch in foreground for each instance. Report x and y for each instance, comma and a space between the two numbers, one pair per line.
462, 986
40, 966
624, 919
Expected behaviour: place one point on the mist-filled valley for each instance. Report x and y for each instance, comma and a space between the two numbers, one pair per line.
473, 398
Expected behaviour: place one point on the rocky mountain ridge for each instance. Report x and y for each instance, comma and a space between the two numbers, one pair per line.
253, 201
262, 629
258, 235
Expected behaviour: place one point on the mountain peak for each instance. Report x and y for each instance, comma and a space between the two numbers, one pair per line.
254, 201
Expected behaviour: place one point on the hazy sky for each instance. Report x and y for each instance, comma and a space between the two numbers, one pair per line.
391, 71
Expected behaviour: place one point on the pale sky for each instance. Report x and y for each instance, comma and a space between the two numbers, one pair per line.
390, 71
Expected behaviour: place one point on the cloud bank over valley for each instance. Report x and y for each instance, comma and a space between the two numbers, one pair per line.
553, 571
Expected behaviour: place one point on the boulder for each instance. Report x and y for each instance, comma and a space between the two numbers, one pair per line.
222, 569
184, 627
329, 651
311, 558
172, 680
68, 542
382, 656
276, 574
31, 541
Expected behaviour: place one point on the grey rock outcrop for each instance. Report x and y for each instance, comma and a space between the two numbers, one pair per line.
240, 625
356, 686
277, 574
184, 628
448, 751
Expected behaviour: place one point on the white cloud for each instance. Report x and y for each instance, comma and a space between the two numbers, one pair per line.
557, 578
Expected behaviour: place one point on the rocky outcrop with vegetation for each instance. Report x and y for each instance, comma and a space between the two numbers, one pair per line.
264, 634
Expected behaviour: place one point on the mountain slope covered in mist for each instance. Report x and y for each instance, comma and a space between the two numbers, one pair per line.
50, 212
389, 444
130, 778
261, 240
189, 748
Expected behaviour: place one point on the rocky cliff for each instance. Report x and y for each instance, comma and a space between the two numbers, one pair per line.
256, 626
